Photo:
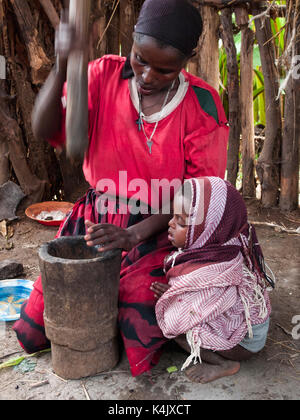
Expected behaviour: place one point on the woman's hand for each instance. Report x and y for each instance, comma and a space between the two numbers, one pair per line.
159, 289
46, 115
109, 237
66, 39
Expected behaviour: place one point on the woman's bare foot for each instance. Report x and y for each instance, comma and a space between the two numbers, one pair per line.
204, 372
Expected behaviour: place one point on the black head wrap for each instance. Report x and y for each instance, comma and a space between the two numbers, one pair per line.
174, 22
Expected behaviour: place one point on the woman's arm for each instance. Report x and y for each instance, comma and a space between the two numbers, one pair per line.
149, 227
111, 237
46, 116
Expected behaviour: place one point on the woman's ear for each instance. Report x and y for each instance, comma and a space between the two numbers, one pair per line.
188, 58
193, 54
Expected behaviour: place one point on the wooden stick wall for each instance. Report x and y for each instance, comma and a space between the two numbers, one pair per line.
27, 43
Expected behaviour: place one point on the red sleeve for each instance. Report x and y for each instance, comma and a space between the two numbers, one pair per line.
206, 152
205, 147
97, 71
59, 139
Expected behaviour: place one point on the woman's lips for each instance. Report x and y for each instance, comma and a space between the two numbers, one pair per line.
144, 90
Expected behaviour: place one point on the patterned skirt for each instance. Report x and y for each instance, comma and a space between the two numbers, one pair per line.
143, 265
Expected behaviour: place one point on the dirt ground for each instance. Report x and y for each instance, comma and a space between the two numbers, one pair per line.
273, 374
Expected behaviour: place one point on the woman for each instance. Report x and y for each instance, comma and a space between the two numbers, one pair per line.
149, 121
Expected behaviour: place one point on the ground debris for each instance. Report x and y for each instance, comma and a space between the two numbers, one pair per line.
10, 269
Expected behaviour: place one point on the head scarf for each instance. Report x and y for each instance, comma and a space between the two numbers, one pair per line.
174, 22
218, 217
218, 287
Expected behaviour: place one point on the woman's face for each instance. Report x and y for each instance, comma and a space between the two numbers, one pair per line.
178, 225
155, 68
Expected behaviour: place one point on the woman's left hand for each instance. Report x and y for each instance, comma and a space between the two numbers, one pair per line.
109, 237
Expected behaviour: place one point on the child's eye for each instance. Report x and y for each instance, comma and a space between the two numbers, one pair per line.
183, 225
180, 222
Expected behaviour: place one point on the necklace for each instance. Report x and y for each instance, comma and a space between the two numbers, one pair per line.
140, 121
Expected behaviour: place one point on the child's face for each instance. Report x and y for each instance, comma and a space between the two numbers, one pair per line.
178, 225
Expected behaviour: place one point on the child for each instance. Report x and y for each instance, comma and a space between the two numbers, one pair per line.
217, 287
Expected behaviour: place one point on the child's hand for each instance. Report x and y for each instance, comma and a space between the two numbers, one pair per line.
159, 289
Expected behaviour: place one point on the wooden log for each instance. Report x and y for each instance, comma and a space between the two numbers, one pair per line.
289, 194
39, 62
221, 4
113, 27
77, 80
194, 61
75, 185
246, 102
10, 132
84, 341
233, 96
208, 59
101, 47
267, 167
4, 163
37, 152
97, 44
127, 26
50, 12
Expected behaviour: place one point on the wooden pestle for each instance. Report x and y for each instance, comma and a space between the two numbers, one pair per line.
77, 80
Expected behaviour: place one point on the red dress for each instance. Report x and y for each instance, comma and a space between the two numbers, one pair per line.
190, 141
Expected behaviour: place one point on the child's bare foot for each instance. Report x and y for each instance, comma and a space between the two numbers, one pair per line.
216, 364
205, 373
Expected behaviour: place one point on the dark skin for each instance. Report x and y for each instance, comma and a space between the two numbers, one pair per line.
215, 365
155, 68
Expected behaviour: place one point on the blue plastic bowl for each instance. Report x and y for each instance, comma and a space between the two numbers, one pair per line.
12, 294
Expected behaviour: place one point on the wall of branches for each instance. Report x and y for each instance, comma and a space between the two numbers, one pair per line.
27, 43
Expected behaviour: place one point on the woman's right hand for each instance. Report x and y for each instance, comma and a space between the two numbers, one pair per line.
46, 115
67, 39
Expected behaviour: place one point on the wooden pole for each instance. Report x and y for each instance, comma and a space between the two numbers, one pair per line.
77, 80
246, 102
39, 62
98, 25
50, 12
233, 96
268, 162
289, 194
126, 26
113, 27
11, 134
208, 47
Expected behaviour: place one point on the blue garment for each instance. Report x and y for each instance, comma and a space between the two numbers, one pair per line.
257, 343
